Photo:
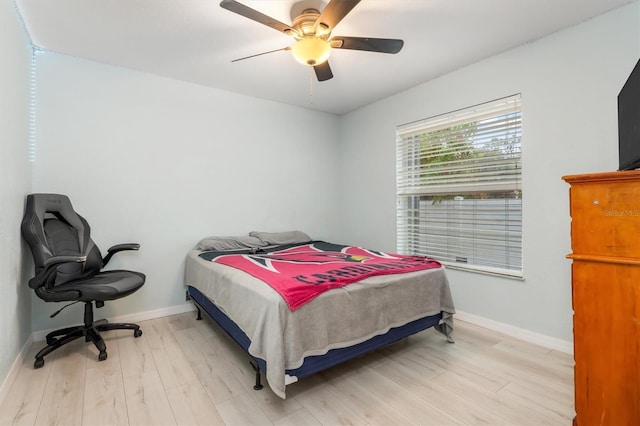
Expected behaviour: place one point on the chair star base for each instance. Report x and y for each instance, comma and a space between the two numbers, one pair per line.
90, 331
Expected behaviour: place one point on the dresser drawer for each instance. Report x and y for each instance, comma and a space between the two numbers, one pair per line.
606, 216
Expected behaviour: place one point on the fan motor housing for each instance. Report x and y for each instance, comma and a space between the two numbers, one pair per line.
305, 23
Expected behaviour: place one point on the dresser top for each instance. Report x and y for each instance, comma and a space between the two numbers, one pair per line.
604, 177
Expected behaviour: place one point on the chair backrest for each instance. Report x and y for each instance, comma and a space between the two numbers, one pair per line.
52, 228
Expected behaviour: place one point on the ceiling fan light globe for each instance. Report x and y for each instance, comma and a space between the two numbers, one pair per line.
311, 51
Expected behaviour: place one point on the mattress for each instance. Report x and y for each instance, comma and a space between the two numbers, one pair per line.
339, 318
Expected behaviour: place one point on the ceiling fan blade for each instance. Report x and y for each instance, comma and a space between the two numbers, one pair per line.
334, 12
323, 71
260, 54
381, 45
254, 15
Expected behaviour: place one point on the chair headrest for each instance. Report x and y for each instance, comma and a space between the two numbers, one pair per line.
38, 205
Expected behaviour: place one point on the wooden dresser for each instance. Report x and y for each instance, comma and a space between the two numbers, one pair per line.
605, 242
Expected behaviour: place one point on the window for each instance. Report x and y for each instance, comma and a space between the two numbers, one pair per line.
459, 198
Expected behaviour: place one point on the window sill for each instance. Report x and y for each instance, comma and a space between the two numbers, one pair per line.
513, 275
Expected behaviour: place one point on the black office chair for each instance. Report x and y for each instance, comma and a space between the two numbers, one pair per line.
68, 269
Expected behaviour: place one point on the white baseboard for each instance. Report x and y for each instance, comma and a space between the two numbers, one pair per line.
37, 336
15, 368
517, 332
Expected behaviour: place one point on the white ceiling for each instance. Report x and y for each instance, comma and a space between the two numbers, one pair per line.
195, 41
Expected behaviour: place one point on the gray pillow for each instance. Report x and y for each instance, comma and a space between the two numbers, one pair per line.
277, 238
229, 243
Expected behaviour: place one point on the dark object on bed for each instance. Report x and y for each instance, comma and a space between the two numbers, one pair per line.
68, 269
339, 324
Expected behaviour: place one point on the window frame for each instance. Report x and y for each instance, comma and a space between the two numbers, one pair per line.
493, 165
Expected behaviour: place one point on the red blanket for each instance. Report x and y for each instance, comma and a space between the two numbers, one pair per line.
302, 272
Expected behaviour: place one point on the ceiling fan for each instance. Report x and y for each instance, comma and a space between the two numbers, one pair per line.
312, 31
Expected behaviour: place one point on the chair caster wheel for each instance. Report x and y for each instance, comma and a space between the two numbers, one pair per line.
102, 356
39, 363
137, 333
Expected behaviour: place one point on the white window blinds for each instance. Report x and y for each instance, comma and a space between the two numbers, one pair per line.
459, 197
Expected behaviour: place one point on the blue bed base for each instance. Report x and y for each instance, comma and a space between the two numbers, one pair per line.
312, 364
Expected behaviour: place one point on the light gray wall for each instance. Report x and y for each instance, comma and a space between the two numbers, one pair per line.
15, 182
569, 83
165, 163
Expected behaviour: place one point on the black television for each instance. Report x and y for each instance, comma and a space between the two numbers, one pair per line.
629, 122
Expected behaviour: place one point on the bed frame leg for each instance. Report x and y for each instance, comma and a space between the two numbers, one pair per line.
199, 317
256, 368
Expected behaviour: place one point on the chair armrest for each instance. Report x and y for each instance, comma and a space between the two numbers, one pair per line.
117, 248
50, 266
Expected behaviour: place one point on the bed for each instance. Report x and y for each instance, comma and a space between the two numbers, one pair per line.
343, 322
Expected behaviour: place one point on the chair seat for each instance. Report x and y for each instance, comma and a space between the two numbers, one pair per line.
106, 285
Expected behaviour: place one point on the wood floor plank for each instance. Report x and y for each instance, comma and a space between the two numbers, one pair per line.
300, 417
242, 410
187, 372
327, 405
403, 400
62, 402
174, 368
365, 403
512, 412
555, 407
209, 367
146, 398
147, 402
21, 405
501, 365
104, 396
273, 406
415, 379
191, 405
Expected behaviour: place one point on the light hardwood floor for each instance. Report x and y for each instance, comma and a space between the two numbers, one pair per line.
186, 372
